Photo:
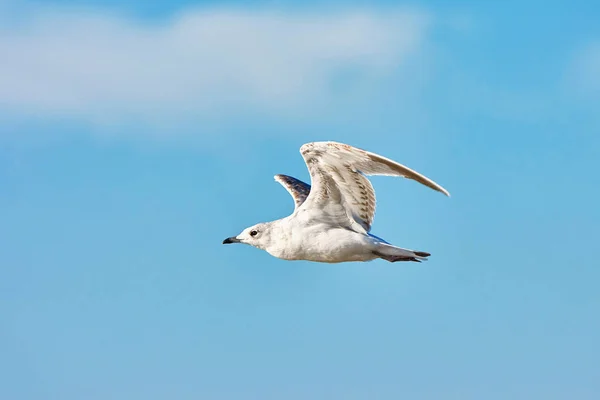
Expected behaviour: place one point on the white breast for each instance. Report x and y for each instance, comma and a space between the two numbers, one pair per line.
322, 243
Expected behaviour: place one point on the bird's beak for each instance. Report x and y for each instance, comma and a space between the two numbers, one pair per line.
232, 239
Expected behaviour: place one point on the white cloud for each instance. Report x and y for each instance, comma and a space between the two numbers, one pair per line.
104, 67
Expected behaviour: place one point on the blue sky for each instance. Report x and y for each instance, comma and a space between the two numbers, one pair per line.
135, 136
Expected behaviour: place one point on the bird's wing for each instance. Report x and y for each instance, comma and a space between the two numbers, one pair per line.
298, 189
340, 188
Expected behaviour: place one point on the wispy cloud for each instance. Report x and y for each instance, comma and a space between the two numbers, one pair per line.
99, 66
584, 74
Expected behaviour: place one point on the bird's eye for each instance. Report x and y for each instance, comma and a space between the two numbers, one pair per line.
253, 233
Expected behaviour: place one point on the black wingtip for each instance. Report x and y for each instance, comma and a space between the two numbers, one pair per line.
421, 253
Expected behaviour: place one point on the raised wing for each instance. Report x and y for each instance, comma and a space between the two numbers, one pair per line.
338, 176
298, 189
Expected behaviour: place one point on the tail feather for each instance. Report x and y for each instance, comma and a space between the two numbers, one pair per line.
394, 254
422, 253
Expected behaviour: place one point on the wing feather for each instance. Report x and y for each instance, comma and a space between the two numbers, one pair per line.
295, 187
339, 170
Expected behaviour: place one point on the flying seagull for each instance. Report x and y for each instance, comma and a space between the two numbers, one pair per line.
332, 220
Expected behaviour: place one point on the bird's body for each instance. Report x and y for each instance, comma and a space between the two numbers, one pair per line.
332, 219
318, 242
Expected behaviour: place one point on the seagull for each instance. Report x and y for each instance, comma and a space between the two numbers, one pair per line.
332, 220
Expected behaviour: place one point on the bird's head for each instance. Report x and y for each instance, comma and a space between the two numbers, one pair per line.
258, 235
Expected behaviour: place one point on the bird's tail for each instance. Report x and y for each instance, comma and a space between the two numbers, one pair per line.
394, 254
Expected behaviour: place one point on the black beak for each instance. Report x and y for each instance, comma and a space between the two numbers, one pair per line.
232, 239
